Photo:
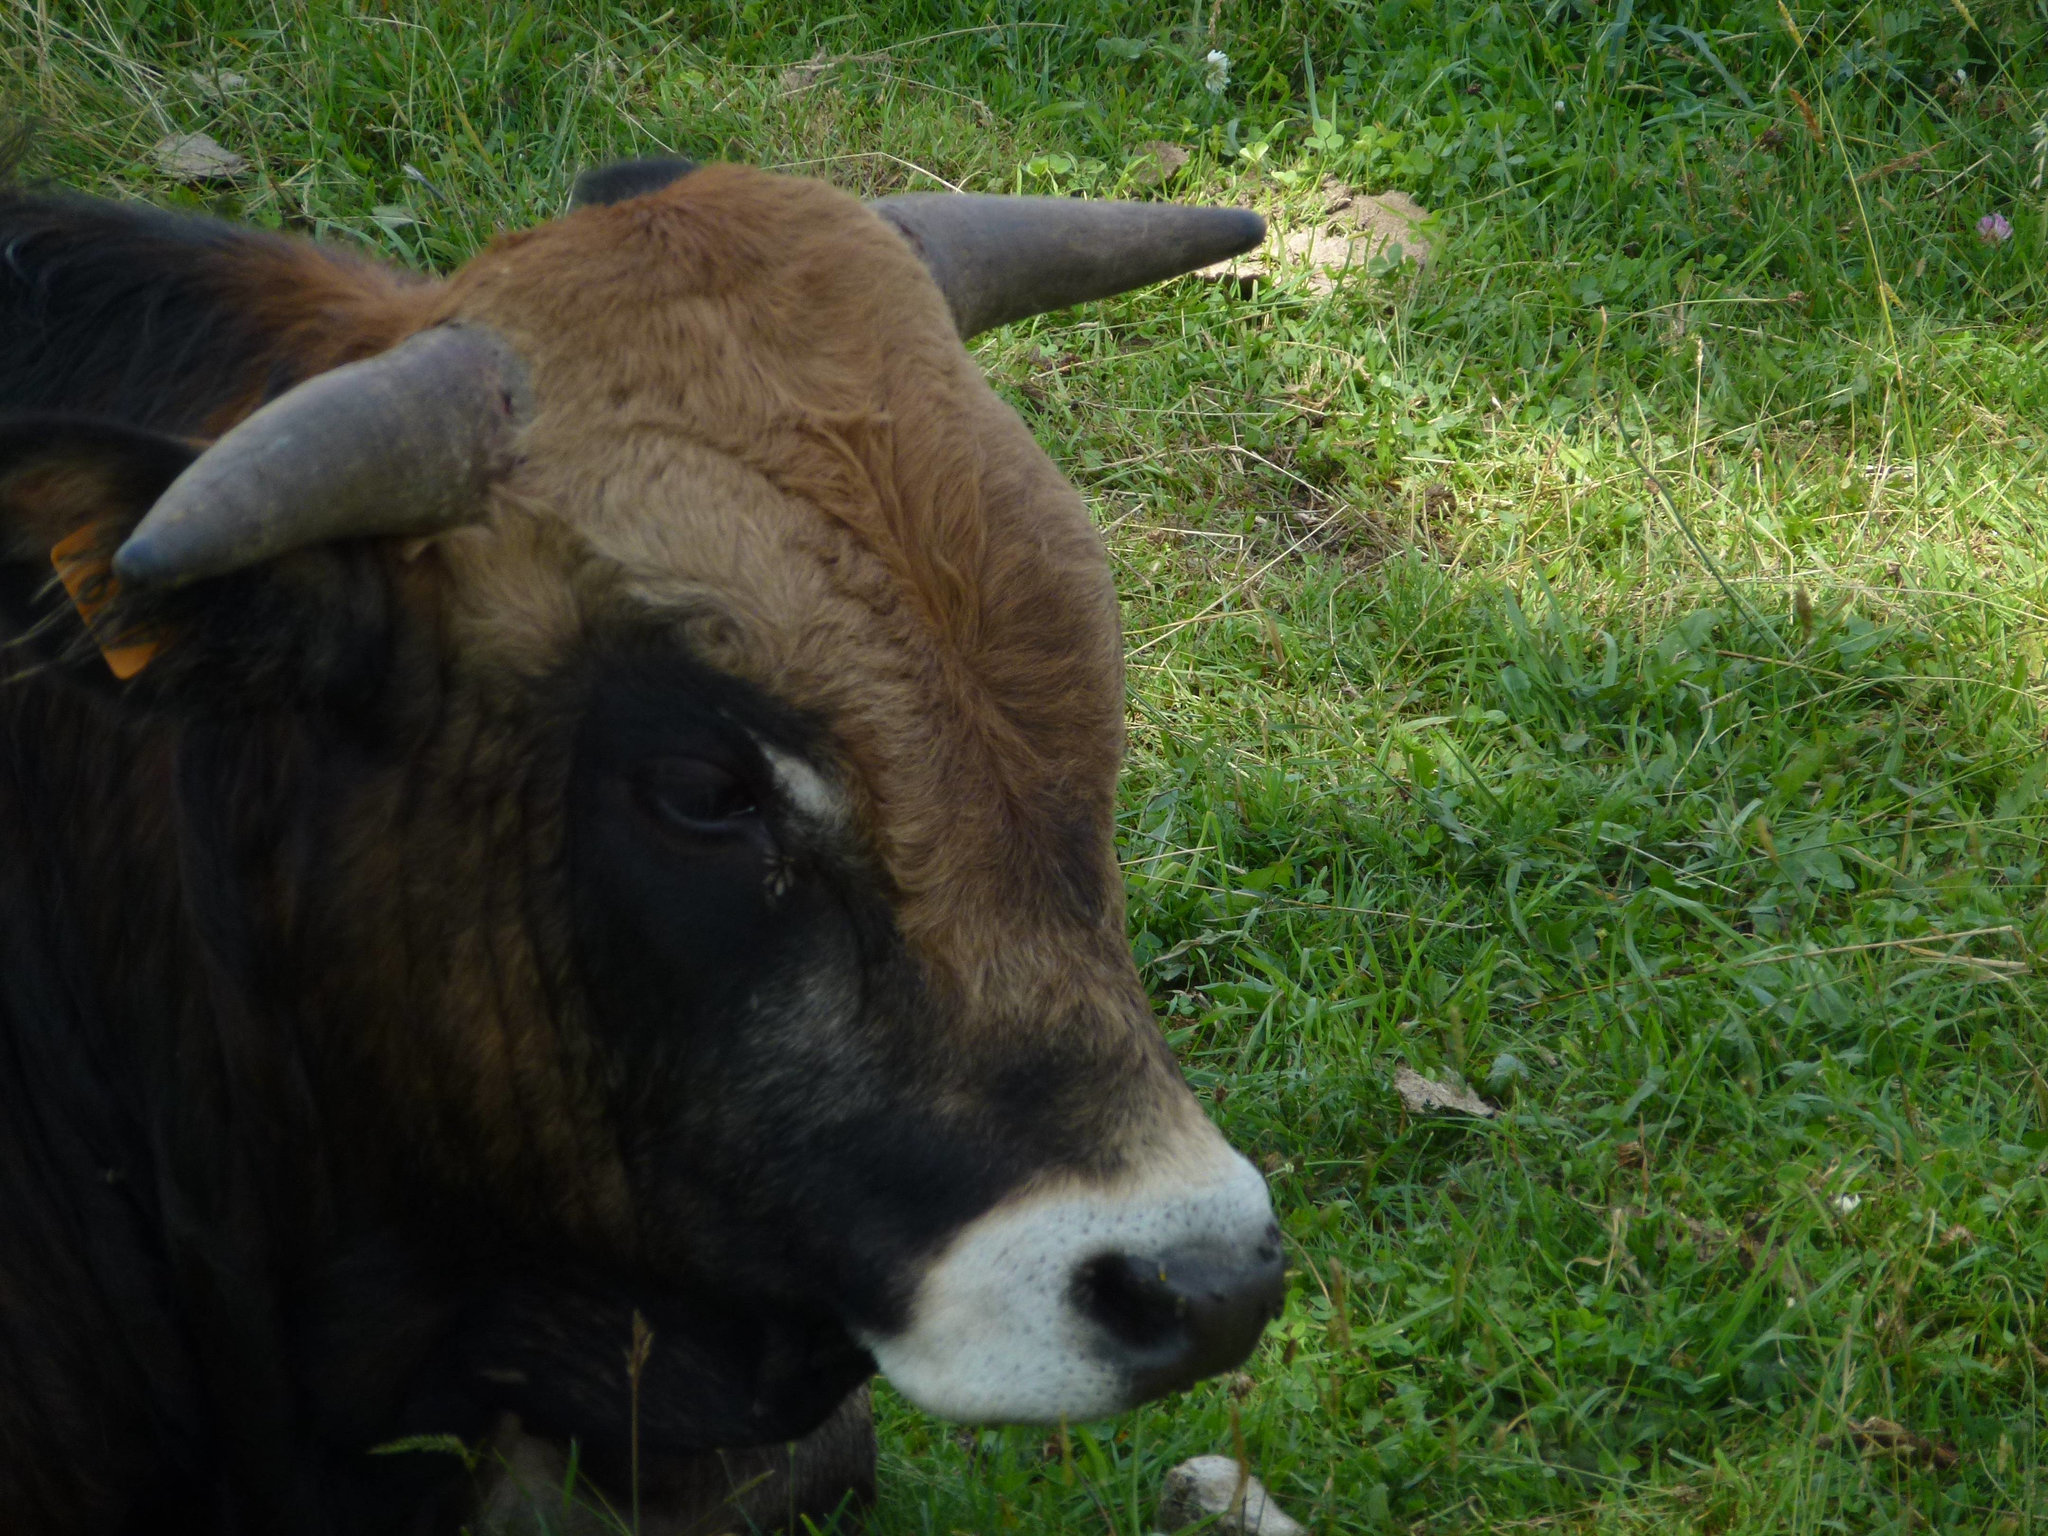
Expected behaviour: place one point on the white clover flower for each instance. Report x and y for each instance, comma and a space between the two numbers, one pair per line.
1216, 73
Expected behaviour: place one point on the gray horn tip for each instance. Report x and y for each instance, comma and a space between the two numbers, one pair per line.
401, 444
143, 561
999, 259
1237, 230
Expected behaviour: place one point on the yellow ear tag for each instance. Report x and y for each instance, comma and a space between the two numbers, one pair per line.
89, 578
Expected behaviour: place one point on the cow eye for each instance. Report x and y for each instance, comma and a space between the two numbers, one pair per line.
691, 794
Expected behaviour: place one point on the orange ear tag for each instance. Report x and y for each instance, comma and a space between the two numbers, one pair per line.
89, 579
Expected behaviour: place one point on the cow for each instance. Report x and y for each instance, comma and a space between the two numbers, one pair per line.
558, 887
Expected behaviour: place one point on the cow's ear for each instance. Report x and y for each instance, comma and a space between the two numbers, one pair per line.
59, 474
70, 490
624, 180
312, 626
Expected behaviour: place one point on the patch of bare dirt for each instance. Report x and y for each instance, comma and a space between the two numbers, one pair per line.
1347, 230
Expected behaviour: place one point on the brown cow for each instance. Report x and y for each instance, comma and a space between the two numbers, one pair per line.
587, 816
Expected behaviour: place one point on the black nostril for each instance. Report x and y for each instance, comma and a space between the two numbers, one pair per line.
1133, 1299
1186, 1313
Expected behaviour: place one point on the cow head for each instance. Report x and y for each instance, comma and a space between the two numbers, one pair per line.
719, 706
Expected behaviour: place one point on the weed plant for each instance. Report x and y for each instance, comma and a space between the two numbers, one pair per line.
1604, 665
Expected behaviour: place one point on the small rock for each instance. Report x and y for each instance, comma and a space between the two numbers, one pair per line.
217, 83
1422, 1094
1156, 162
1211, 1486
1353, 228
193, 157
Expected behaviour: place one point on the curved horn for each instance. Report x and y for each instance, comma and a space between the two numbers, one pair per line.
998, 259
402, 443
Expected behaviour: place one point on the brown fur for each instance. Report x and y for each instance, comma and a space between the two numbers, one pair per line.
753, 415
751, 398
751, 402
315, 309
753, 422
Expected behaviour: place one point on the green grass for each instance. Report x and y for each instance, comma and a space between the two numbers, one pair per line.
1607, 666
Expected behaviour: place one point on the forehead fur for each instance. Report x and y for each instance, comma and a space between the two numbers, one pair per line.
751, 408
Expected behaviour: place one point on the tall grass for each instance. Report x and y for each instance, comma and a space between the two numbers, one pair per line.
1605, 665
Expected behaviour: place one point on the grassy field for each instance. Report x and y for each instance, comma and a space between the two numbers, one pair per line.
1606, 666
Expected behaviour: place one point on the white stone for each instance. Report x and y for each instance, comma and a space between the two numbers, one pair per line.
196, 157
1424, 1095
1211, 1486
